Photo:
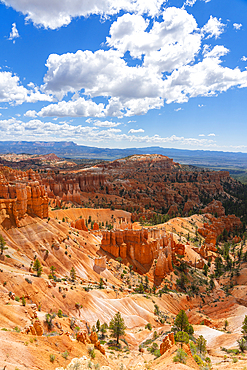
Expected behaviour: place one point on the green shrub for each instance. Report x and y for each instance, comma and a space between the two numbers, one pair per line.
180, 356
148, 326
156, 353
17, 299
182, 337
153, 348
198, 360
192, 348
52, 358
65, 354
91, 352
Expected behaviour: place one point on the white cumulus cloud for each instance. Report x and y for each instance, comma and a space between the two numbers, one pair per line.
72, 108
13, 92
57, 13
167, 68
213, 28
237, 26
169, 44
14, 34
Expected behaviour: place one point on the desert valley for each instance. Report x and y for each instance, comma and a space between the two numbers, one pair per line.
138, 263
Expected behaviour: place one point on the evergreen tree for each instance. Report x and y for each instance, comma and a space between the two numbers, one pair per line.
182, 281
242, 344
103, 329
140, 289
72, 274
226, 323
53, 269
101, 283
181, 322
244, 328
117, 326
98, 325
2, 244
182, 337
37, 267
146, 283
201, 344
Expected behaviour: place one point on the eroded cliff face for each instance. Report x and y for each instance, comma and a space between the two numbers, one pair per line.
214, 228
154, 182
149, 247
21, 193
68, 187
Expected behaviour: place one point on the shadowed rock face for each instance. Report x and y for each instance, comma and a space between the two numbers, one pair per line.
21, 193
210, 231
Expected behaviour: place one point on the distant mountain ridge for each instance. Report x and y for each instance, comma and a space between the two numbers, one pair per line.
73, 150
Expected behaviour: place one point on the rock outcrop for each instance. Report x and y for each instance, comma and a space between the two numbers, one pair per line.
83, 337
215, 227
95, 341
21, 193
167, 343
35, 329
68, 187
144, 247
216, 208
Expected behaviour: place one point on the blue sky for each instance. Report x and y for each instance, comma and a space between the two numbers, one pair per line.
125, 73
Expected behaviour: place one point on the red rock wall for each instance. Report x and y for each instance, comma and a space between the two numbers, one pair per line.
68, 187
143, 246
210, 231
21, 194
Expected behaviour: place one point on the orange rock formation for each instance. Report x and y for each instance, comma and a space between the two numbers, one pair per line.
210, 231
167, 343
21, 194
216, 208
143, 246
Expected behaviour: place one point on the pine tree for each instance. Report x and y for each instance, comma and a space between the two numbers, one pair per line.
53, 269
2, 244
98, 325
37, 267
181, 322
103, 329
244, 328
146, 283
140, 289
182, 337
117, 326
101, 283
72, 274
201, 344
